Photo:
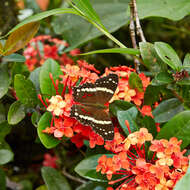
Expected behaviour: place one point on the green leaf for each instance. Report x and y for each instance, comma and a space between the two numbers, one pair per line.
35, 118
168, 55
87, 168
167, 109
186, 62
47, 140
178, 126
46, 86
129, 115
26, 185
25, 90
151, 95
129, 51
108, 10
35, 78
54, 180
40, 16
149, 123
16, 113
135, 82
164, 78
42, 187
92, 186
2, 113
5, 129
184, 182
4, 81
185, 81
151, 59
20, 37
86, 8
119, 105
15, 57
2, 180
19, 68
5, 156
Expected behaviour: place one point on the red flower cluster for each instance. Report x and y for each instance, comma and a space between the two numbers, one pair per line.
167, 165
43, 47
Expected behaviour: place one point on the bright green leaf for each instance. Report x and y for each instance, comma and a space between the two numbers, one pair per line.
25, 90
46, 86
186, 62
135, 82
5, 156
129, 51
16, 113
42, 187
47, 140
167, 109
168, 55
54, 180
178, 126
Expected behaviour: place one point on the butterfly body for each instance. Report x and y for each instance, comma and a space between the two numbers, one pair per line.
90, 109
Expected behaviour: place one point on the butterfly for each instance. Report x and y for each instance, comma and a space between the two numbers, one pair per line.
90, 109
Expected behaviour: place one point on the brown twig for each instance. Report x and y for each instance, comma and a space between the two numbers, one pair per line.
72, 177
138, 25
133, 35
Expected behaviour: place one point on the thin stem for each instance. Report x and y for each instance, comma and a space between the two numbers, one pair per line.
72, 177
138, 25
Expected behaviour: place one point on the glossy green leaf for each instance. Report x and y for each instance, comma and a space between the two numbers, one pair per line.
106, 9
184, 182
135, 82
2, 180
87, 168
25, 90
151, 95
151, 59
46, 86
119, 105
15, 57
164, 78
16, 113
4, 81
35, 78
5, 129
92, 186
54, 180
168, 55
19, 68
20, 37
47, 140
5, 156
129, 115
35, 118
167, 109
178, 126
129, 51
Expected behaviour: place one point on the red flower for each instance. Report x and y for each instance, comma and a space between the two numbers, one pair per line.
50, 161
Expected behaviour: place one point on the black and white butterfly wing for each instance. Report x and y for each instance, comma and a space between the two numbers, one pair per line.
97, 118
105, 88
